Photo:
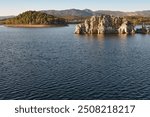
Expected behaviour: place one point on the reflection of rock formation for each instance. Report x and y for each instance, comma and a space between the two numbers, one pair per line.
105, 24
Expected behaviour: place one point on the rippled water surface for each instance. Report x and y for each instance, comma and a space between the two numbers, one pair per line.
54, 63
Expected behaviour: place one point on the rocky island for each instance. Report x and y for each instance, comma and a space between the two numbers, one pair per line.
105, 24
35, 19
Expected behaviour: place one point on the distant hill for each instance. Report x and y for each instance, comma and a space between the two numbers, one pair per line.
120, 13
34, 18
145, 13
71, 16
5, 17
88, 12
69, 12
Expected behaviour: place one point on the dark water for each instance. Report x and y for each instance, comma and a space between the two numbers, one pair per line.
54, 63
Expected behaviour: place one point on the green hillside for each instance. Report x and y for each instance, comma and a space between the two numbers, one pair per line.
35, 18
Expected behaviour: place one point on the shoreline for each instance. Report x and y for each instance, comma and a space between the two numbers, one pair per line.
32, 26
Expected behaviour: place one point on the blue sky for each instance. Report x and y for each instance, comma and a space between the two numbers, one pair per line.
14, 7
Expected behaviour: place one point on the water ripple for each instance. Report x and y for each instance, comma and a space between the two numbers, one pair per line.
45, 64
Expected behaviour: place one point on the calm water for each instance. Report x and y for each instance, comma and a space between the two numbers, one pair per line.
54, 63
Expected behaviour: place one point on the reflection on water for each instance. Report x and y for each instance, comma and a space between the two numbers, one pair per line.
91, 37
102, 37
123, 36
54, 63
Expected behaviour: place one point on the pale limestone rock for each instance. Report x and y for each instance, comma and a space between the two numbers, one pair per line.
80, 29
104, 24
87, 25
126, 28
93, 25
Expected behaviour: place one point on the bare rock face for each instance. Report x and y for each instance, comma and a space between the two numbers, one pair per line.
105, 24
126, 28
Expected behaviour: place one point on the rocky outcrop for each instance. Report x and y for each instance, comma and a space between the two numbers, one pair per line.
105, 24
143, 30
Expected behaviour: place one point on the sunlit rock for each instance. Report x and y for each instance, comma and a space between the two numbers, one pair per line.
105, 24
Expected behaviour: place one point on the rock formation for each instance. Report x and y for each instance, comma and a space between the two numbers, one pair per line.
143, 30
105, 24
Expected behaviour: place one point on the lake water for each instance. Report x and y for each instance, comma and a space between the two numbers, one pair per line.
54, 63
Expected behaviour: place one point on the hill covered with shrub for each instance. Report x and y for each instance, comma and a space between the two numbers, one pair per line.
35, 18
